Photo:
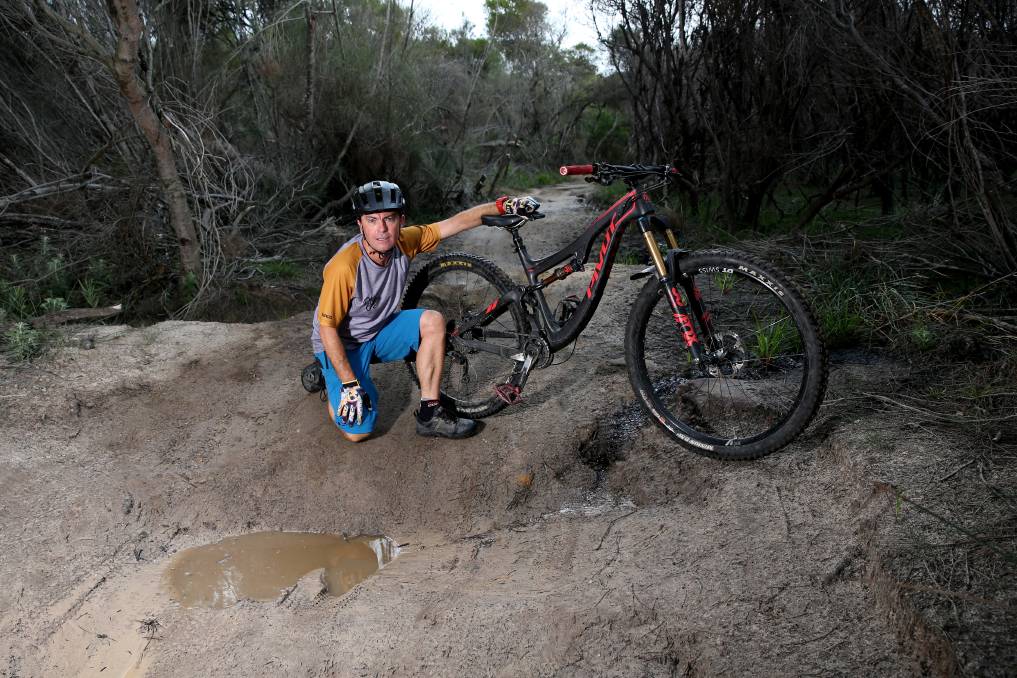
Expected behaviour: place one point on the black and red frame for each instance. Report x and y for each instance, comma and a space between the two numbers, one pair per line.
686, 304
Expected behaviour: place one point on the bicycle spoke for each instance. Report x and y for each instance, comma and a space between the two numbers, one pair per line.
480, 357
759, 370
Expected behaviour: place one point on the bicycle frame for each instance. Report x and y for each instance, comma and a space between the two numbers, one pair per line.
633, 206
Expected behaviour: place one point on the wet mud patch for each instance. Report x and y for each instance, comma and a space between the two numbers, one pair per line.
606, 442
634, 459
263, 565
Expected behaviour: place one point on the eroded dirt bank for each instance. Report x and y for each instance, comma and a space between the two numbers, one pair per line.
114, 458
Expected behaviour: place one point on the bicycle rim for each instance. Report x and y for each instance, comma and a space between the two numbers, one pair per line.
461, 289
765, 375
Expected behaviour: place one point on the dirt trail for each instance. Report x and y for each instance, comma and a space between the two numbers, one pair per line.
113, 459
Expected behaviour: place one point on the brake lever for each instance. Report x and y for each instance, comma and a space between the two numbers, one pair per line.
677, 176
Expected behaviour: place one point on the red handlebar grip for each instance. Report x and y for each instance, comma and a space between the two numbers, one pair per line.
576, 169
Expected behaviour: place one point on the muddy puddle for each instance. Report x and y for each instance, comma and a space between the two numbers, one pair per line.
262, 565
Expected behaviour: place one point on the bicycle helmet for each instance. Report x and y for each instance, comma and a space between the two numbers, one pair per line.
378, 196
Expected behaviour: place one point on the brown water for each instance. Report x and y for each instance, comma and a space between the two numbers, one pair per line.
261, 565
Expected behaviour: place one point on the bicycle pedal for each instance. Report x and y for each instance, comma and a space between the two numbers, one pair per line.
509, 394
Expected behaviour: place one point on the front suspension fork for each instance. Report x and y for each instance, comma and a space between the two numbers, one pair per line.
681, 305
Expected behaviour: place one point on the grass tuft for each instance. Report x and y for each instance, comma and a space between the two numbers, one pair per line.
774, 339
838, 305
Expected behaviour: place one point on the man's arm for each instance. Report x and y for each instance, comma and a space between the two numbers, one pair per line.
470, 218
466, 219
336, 353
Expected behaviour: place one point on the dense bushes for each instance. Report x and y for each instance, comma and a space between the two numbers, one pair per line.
908, 102
273, 114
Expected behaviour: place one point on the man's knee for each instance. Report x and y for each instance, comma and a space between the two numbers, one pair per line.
432, 323
352, 437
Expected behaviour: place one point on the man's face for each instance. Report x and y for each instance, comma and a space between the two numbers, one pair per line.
381, 229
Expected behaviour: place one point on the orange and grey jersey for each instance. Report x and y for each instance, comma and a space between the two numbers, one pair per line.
357, 295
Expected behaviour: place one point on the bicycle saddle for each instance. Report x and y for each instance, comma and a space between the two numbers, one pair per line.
509, 220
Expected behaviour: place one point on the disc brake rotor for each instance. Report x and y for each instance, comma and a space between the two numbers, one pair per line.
729, 359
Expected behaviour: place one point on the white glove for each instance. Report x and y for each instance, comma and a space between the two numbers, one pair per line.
523, 206
353, 402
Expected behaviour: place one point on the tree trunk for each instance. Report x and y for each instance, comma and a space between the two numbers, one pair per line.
754, 205
882, 186
125, 68
820, 201
309, 86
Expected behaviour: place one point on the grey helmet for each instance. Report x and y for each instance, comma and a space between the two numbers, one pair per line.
378, 196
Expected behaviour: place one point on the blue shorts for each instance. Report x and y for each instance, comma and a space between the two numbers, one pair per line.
394, 342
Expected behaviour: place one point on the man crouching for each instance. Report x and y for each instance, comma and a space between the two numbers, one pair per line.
358, 318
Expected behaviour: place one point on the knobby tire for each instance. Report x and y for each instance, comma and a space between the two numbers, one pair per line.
770, 382
462, 286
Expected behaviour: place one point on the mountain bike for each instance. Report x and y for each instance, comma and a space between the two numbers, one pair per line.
721, 348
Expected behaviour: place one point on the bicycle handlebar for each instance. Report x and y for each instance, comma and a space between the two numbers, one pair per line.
576, 169
605, 174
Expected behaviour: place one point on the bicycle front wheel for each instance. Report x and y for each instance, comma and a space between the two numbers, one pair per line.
764, 373
461, 287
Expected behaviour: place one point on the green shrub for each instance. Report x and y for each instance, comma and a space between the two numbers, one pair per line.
91, 291
15, 263
842, 324
23, 342
609, 130
892, 310
631, 257
544, 178
15, 300
189, 286
923, 337
708, 213
279, 269
524, 179
724, 282
99, 270
96, 283
53, 305
55, 280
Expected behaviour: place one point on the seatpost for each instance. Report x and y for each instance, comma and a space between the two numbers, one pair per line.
524, 256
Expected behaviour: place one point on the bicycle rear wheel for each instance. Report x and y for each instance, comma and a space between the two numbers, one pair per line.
765, 373
461, 287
